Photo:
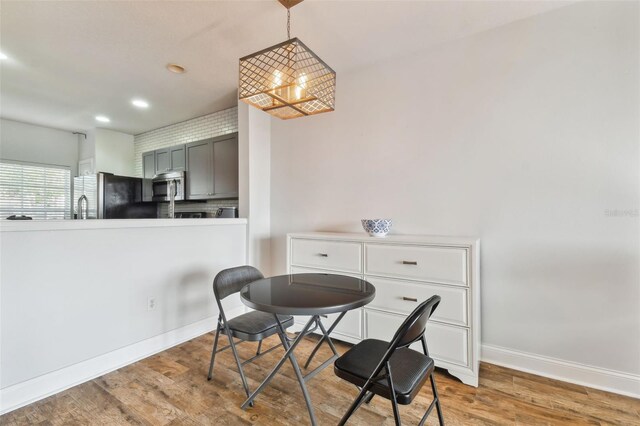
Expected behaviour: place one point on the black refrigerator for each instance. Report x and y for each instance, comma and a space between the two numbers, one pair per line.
112, 197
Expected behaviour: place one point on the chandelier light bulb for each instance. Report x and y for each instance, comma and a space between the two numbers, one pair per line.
302, 83
277, 79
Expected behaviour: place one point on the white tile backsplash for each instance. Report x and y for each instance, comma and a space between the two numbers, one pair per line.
207, 126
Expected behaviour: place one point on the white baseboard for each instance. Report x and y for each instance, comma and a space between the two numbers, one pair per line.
585, 375
21, 394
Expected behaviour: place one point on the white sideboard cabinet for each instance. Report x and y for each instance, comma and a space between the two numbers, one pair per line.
405, 271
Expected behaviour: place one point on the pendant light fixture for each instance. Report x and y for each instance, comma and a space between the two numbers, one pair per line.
287, 80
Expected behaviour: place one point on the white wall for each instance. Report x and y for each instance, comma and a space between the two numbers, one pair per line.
114, 152
254, 151
87, 146
526, 136
37, 144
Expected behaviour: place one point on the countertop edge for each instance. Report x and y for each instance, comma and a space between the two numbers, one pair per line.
389, 239
77, 225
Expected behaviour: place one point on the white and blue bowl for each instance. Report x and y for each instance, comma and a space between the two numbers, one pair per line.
377, 227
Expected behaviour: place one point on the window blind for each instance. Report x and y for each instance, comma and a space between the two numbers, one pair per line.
37, 190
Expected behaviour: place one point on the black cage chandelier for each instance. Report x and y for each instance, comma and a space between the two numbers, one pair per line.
287, 80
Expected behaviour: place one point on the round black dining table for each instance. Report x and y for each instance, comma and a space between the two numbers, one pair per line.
314, 295
307, 294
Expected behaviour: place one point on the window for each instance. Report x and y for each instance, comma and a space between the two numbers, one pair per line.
41, 191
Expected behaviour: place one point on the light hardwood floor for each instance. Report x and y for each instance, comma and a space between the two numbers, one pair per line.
171, 388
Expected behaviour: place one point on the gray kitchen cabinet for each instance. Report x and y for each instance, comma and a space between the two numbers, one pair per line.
199, 170
148, 172
212, 168
225, 167
177, 154
148, 165
163, 160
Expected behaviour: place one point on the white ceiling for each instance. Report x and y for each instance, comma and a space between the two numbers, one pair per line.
69, 61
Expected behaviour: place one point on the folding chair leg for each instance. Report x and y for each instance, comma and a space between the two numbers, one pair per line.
238, 363
437, 401
392, 391
213, 351
259, 346
369, 397
354, 406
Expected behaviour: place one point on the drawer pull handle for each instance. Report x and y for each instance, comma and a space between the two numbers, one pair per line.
409, 262
323, 255
409, 299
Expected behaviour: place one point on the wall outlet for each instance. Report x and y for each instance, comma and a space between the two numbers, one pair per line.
151, 303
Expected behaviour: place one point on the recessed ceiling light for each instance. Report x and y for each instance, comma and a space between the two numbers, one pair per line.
3, 56
102, 118
140, 103
178, 69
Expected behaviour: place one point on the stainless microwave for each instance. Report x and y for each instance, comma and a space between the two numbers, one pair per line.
162, 182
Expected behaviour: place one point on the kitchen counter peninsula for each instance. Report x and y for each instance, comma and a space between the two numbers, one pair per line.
79, 298
61, 225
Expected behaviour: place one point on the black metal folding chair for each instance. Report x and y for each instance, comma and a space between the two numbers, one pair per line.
392, 370
249, 327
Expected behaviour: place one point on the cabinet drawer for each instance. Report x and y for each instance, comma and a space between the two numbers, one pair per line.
298, 270
351, 324
434, 264
404, 296
336, 255
446, 343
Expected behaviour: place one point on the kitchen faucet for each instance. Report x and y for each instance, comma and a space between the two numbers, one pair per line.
83, 207
172, 199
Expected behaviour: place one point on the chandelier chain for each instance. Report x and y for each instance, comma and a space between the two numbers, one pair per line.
288, 24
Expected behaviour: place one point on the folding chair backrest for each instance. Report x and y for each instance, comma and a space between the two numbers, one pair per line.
412, 329
230, 281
